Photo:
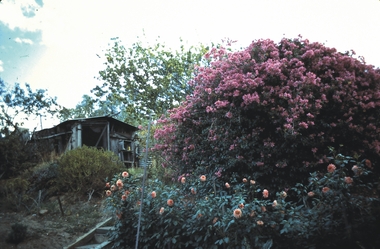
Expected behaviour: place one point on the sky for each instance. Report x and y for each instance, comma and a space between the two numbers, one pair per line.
58, 45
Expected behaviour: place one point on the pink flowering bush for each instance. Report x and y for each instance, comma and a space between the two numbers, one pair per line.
271, 111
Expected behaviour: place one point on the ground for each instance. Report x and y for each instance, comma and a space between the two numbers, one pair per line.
52, 230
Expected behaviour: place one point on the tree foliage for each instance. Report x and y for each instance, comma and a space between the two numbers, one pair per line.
89, 107
18, 104
272, 111
146, 79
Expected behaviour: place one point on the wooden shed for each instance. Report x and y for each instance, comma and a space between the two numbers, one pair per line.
101, 132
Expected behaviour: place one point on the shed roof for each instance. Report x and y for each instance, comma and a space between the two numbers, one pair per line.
108, 118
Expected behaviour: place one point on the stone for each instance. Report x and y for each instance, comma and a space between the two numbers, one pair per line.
43, 211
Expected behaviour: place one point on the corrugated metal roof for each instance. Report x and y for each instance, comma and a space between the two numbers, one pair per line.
107, 117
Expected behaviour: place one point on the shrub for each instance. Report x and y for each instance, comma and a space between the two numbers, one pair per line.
44, 176
15, 192
272, 110
18, 233
339, 208
15, 154
84, 169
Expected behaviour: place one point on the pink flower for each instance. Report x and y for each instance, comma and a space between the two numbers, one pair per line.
238, 213
170, 202
229, 115
108, 192
303, 125
331, 168
119, 183
250, 98
265, 193
193, 191
355, 168
153, 194
260, 222
245, 180
183, 180
227, 185
202, 178
219, 172
310, 194
125, 174
123, 197
221, 104
325, 190
252, 182
348, 180
209, 109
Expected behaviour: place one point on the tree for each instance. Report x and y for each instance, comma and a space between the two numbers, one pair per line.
18, 104
146, 79
273, 111
89, 107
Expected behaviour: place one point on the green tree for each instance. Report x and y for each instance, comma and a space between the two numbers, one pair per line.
146, 79
18, 104
90, 107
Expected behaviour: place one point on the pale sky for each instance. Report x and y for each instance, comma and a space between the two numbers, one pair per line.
53, 44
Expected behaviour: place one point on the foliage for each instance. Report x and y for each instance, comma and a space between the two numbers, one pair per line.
20, 192
16, 101
18, 233
14, 191
84, 109
272, 110
16, 105
146, 79
84, 169
156, 171
15, 154
207, 212
90, 107
44, 176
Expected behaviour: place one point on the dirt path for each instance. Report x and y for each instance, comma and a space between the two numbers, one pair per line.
52, 230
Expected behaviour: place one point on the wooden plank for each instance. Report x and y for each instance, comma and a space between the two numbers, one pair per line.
88, 236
